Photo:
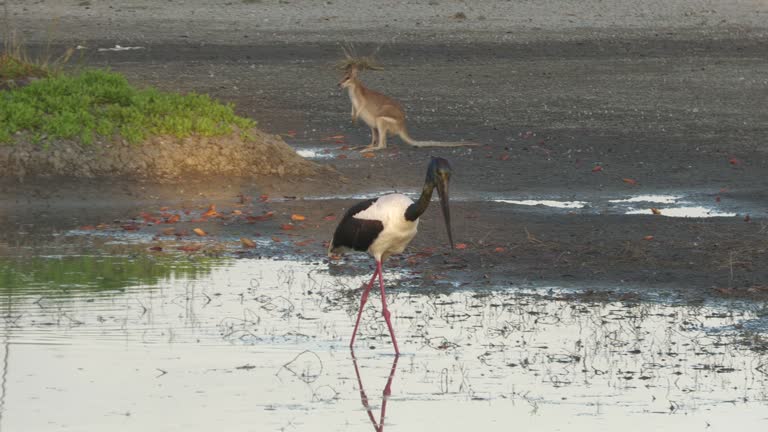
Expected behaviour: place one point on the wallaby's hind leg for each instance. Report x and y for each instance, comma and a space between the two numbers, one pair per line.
384, 125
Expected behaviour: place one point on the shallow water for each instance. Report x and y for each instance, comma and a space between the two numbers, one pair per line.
142, 343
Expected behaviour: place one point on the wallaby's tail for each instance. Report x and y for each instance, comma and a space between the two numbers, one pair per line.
407, 138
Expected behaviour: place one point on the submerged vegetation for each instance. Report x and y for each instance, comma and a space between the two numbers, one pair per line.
102, 103
94, 273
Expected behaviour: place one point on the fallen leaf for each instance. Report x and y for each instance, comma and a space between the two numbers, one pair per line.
461, 246
264, 198
304, 242
329, 217
287, 227
504, 156
297, 217
130, 227
335, 137
629, 181
237, 212
655, 211
291, 133
369, 155
276, 239
648, 237
598, 168
211, 212
164, 209
190, 248
199, 232
734, 161
247, 243
173, 219
148, 218
265, 216
499, 249
87, 227
156, 248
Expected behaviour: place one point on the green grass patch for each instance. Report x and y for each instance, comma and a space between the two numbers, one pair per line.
101, 103
12, 68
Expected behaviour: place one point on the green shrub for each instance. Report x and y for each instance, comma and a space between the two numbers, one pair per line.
102, 103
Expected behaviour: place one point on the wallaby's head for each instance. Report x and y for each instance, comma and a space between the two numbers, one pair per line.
350, 75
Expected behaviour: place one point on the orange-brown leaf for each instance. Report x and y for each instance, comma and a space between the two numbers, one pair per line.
499, 249
629, 181
199, 232
461, 246
173, 219
287, 227
597, 168
297, 217
190, 248
648, 237
247, 243
211, 212
655, 211
329, 217
276, 239
369, 155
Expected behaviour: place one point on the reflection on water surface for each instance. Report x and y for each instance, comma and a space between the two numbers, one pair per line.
130, 343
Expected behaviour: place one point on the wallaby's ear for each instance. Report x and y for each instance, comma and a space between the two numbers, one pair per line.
352, 71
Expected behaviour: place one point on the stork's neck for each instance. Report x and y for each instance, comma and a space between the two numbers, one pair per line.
415, 210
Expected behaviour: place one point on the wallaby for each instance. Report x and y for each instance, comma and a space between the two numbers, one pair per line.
382, 114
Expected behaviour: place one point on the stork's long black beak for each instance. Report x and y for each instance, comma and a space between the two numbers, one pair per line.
442, 190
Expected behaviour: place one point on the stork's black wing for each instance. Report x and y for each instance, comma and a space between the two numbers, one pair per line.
357, 234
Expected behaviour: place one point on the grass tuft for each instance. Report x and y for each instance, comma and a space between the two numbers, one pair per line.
102, 103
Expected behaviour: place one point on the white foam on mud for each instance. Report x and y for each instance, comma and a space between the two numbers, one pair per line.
122, 48
661, 199
546, 203
314, 153
685, 212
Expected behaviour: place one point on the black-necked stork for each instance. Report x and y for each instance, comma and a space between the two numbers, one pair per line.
385, 225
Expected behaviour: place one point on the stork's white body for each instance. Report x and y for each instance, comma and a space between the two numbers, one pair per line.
398, 231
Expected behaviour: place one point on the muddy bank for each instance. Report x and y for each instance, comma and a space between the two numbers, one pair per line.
161, 159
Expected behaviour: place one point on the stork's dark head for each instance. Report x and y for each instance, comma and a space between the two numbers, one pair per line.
439, 176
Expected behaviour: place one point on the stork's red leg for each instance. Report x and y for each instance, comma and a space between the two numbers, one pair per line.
385, 311
363, 299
